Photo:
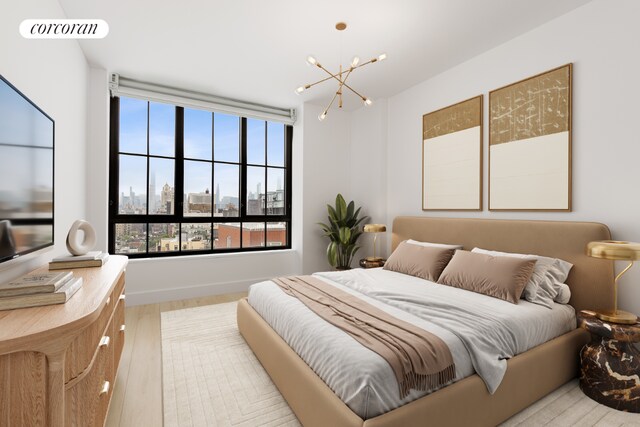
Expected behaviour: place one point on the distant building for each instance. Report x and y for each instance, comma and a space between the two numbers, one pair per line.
199, 202
152, 194
274, 203
169, 244
166, 199
252, 235
226, 201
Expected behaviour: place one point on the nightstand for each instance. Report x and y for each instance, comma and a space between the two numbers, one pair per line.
365, 263
610, 364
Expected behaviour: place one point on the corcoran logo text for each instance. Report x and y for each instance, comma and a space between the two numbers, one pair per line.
64, 29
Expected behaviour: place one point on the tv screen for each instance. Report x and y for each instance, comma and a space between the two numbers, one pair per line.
26, 175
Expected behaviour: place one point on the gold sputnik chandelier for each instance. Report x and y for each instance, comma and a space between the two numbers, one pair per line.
341, 77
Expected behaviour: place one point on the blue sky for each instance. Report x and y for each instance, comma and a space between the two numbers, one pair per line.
197, 145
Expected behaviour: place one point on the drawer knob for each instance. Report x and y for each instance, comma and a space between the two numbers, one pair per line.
122, 328
122, 297
104, 341
105, 388
108, 301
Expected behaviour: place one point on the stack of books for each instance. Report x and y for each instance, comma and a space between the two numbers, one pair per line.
91, 259
36, 289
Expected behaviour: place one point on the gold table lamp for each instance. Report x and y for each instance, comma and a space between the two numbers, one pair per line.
374, 228
617, 251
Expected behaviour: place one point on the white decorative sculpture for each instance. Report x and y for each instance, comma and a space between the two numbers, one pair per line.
81, 248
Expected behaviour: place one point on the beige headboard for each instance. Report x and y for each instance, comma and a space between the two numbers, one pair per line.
590, 280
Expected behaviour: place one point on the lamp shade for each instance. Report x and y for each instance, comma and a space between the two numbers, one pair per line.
614, 250
374, 228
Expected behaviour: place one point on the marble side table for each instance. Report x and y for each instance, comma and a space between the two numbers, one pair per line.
610, 364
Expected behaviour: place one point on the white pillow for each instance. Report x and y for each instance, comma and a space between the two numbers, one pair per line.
433, 245
548, 274
564, 295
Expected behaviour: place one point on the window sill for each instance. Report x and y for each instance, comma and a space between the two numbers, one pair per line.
205, 257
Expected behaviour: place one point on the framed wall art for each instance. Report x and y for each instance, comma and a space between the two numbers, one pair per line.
452, 157
530, 143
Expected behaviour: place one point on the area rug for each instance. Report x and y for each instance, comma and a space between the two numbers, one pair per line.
211, 377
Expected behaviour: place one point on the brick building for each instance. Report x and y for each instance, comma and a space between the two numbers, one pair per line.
252, 235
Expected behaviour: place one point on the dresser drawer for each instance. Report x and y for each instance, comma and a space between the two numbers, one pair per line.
87, 398
81, 350
119, 329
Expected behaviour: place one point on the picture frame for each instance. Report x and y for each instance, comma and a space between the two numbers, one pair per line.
530, 139
452, 153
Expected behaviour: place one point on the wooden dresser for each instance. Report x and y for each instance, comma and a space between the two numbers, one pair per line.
58, 362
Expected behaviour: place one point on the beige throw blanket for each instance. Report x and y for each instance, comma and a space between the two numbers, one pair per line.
419, 359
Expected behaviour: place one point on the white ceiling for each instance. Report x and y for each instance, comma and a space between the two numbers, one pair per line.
255, 50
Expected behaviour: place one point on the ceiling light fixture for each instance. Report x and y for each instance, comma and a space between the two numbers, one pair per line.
341, 77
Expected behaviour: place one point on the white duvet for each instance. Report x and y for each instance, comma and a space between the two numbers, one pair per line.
481, 332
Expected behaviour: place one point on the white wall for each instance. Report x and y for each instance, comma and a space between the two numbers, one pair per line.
600, 39
53, 74
369, 170
98, 154
326, 172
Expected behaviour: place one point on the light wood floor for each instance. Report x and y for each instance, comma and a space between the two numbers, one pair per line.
137, 396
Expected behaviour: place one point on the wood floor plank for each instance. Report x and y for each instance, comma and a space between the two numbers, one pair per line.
143, 396
591, 418
119, 391
539, 406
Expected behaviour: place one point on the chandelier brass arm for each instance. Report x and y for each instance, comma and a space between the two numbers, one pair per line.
338, 93
341, 81
331, 76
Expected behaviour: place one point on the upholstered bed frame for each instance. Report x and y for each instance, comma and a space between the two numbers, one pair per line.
530, 375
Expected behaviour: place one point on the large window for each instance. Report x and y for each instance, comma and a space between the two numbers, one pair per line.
186, 181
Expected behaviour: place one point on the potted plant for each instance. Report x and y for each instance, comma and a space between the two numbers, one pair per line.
343, 230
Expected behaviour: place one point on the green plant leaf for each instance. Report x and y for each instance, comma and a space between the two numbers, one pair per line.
345, 235
333, 215
341, 207
332, 255
350, 210
355, 235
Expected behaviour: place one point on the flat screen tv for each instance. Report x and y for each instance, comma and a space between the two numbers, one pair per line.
26, 175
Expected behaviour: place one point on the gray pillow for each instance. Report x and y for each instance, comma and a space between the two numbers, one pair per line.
420, 261
495, 276
545, 282
564, 294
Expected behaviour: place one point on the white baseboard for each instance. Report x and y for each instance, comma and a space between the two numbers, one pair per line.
180, 293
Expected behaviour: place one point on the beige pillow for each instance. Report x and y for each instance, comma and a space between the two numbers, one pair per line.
543, 286
419, 261
495, 276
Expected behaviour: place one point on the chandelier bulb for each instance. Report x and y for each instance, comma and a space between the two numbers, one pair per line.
322, 116
367, 102
311, 60
300, 90
355, 61
382, 57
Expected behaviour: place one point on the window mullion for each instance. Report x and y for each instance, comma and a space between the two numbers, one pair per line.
114, 169
178, 185
148, 171
243, 175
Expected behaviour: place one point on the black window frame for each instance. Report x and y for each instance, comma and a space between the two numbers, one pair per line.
178, 216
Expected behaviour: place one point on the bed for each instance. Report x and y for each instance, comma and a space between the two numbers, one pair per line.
529, 375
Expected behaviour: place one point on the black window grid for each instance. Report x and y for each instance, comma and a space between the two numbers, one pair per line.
178, 216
